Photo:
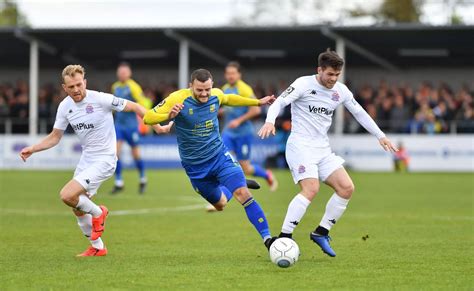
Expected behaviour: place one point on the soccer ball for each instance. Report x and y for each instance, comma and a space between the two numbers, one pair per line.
284, 252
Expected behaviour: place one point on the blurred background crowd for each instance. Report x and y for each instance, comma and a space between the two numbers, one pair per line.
396, 107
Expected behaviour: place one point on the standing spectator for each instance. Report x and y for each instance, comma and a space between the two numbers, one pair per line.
399, 115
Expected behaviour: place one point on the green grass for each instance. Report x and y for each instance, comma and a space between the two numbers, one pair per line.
420, 229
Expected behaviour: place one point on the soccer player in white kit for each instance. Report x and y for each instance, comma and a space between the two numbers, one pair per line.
313, 101
90, 115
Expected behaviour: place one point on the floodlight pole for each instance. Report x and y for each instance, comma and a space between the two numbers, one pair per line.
33, 91
183, 63
341, 51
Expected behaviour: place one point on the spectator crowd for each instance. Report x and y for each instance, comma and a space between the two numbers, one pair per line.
397, 108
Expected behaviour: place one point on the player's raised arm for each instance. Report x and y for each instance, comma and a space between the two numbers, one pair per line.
285, 98
48, 142
237, 100
168, 109
368, 123
141, 111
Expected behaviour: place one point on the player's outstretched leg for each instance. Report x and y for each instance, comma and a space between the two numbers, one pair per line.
254, 212
118, 185
97, 247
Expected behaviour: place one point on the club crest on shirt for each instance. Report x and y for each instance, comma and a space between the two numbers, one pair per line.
212, 108
301, 169
89, 108
191, 111
335, 96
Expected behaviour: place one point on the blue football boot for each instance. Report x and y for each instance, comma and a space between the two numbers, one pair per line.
323, 242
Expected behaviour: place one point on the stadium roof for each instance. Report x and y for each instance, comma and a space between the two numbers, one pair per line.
401, 46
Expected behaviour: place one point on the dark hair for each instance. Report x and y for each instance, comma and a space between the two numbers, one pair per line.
234, 64
124, 64
202, 75
331, 59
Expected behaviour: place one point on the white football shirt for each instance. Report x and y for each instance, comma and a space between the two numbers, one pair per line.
92, 121
313, 105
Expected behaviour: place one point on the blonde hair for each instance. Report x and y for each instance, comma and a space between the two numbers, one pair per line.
71, 70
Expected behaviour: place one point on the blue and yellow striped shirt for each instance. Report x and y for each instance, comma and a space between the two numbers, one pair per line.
129, 90
245, 128
197, 126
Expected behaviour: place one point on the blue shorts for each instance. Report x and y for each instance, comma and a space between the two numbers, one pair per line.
222, 170
240, 145
128, 134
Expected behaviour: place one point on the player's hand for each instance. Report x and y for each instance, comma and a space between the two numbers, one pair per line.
387, 145
267, 129
175, 110
234, 123
25, 153
163, 128
267, 100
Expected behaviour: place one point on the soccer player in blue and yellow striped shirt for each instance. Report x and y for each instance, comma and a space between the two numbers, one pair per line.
238, 131
212, 171
126, 124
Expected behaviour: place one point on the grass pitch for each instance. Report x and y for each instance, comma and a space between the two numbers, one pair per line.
419, 228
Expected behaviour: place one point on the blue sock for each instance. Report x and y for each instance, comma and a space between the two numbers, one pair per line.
141, 168
257, 217
226, 192
118, 172
259, 171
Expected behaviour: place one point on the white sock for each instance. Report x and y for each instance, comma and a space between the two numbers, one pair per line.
86, 205
85, 224
334, 210
98, 244
296, 210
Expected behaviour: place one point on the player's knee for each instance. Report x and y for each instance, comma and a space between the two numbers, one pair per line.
310, 191
77, 212
220, 206
242, 194
66, 196
346, 190
247, 169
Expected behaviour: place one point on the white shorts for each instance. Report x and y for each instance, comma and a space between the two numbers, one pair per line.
307, 161
90, 173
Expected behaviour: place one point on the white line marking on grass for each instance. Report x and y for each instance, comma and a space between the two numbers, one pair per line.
35, 212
